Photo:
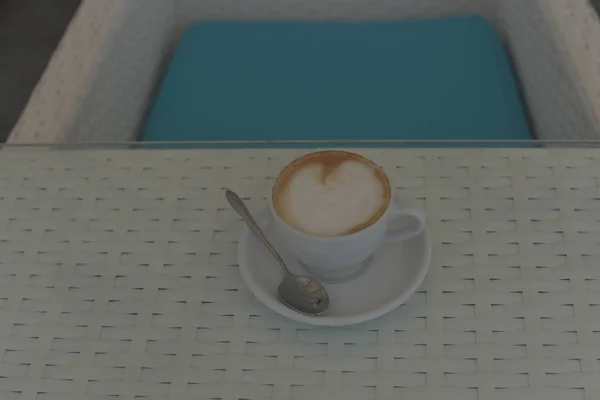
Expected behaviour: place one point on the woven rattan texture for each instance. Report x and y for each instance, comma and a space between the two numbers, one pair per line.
101, 78
119, 280
552, 44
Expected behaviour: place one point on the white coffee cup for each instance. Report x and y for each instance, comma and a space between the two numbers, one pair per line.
340, 258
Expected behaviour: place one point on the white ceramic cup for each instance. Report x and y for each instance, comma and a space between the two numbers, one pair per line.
340, 258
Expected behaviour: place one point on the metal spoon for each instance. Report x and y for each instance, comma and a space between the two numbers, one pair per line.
300, 293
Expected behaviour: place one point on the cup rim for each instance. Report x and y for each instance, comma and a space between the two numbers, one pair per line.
330, 238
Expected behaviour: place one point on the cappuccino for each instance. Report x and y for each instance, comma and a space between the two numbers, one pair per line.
331, 193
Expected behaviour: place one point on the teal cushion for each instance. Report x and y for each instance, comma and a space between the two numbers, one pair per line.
442, 79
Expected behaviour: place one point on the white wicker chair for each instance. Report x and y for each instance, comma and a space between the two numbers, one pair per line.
100, 81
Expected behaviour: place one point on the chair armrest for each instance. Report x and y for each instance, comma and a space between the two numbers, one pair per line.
99, 81
554, 44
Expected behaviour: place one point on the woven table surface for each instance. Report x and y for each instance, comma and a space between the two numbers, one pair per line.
119, 280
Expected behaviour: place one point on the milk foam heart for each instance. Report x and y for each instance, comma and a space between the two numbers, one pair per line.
331, 193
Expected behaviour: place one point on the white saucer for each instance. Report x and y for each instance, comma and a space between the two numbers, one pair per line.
396, 271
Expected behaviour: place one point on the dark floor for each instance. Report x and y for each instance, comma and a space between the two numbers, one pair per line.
29, 33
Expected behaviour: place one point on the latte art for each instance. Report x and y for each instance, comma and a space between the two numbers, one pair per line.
331, 193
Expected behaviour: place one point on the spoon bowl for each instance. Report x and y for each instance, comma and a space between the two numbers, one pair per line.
302, 294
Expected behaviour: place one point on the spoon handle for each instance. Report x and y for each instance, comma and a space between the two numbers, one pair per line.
238, 205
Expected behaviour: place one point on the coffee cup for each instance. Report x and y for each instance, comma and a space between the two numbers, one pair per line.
333, 209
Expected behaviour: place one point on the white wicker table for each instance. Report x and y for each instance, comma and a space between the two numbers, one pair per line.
118, 280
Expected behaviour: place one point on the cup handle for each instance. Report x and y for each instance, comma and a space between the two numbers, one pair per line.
398, 235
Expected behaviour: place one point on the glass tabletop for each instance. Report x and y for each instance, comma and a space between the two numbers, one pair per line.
121, 276
312, 144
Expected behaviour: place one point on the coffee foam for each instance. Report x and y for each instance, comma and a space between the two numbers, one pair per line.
331, 193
